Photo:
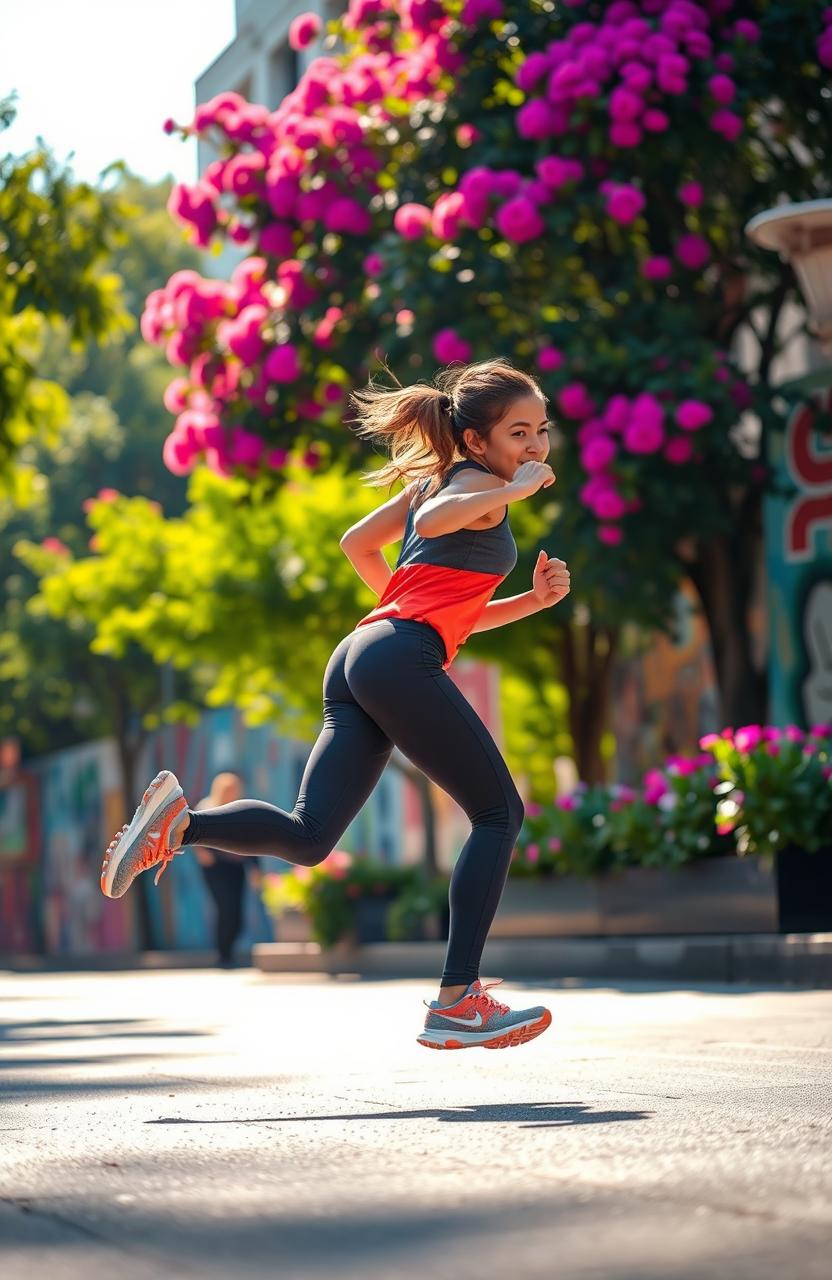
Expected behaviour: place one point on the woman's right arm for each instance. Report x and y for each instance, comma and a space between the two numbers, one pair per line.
471, 494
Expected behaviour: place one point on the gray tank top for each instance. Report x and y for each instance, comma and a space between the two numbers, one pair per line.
487, 550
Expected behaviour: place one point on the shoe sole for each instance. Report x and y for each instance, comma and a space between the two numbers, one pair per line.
520, 1034
164, 788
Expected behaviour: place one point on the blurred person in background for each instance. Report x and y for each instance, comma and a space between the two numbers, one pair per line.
225, 873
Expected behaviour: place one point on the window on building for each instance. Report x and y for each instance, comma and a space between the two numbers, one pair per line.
284, 74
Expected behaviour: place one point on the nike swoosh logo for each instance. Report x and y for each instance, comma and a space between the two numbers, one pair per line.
476, 1021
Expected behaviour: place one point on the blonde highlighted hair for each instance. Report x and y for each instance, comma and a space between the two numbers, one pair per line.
423, 424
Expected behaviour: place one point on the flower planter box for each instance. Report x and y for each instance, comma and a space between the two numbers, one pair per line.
717, 895
292, 926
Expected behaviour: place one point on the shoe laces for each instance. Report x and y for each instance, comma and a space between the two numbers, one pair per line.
489, 1003
151, 855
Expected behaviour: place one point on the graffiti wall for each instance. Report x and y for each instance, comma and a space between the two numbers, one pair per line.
57, 818
798, 530
79, 809
271, 769
19, 849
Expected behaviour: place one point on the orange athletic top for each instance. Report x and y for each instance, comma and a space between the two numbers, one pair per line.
448, 580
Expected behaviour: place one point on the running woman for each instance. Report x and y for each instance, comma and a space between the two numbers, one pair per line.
468, 447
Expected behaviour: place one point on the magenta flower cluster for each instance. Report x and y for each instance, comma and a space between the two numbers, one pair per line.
825, 40
626, 425
291, 177
639, 59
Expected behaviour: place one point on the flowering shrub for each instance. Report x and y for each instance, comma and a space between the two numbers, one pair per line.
328, 893
604, 154
775, 786
755, 790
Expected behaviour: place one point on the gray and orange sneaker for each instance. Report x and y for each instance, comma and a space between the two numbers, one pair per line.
478, 1020
145, 841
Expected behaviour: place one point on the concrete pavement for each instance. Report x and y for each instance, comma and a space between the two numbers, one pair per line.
225, 1124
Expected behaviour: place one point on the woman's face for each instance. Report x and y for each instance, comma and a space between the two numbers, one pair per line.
521, 435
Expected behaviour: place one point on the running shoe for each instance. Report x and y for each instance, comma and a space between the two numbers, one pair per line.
477, 1019
144, 842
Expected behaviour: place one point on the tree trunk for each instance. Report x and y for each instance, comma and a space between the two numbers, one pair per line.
587, 654
130, 738
422, 784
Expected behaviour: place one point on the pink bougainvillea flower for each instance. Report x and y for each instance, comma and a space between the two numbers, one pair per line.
727, 123
195, 206
656, 268
610, 534
518, 220
693, 251
655, 786
557, 171
625, 133
549, 359
624, 203
643, 436
598, 454
347, 216
447, 215
277, 240
748, 737
575, 401
625, 104
304, 30
412, 220
678, 450
692, 414
176, 395
722, 89
467, 135
536, 119
178, 454
55, 546
373, 264
747, 30
530, 72
282, 364
655, 120
448, 347
691, 194
609, 505
475, 11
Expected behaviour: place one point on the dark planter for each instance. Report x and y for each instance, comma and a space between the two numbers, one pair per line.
804, 890
716, 895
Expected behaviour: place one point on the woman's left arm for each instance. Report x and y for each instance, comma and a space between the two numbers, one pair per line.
550, 583
497, 613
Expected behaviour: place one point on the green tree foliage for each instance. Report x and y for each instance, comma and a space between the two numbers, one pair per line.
55, 238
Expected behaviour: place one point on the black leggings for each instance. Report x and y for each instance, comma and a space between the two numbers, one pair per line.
384, 686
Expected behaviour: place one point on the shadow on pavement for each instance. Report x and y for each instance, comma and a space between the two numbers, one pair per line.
533, 1115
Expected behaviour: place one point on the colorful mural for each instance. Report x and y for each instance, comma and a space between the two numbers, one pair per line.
19, 845
56, 821
798, 531
80, 808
